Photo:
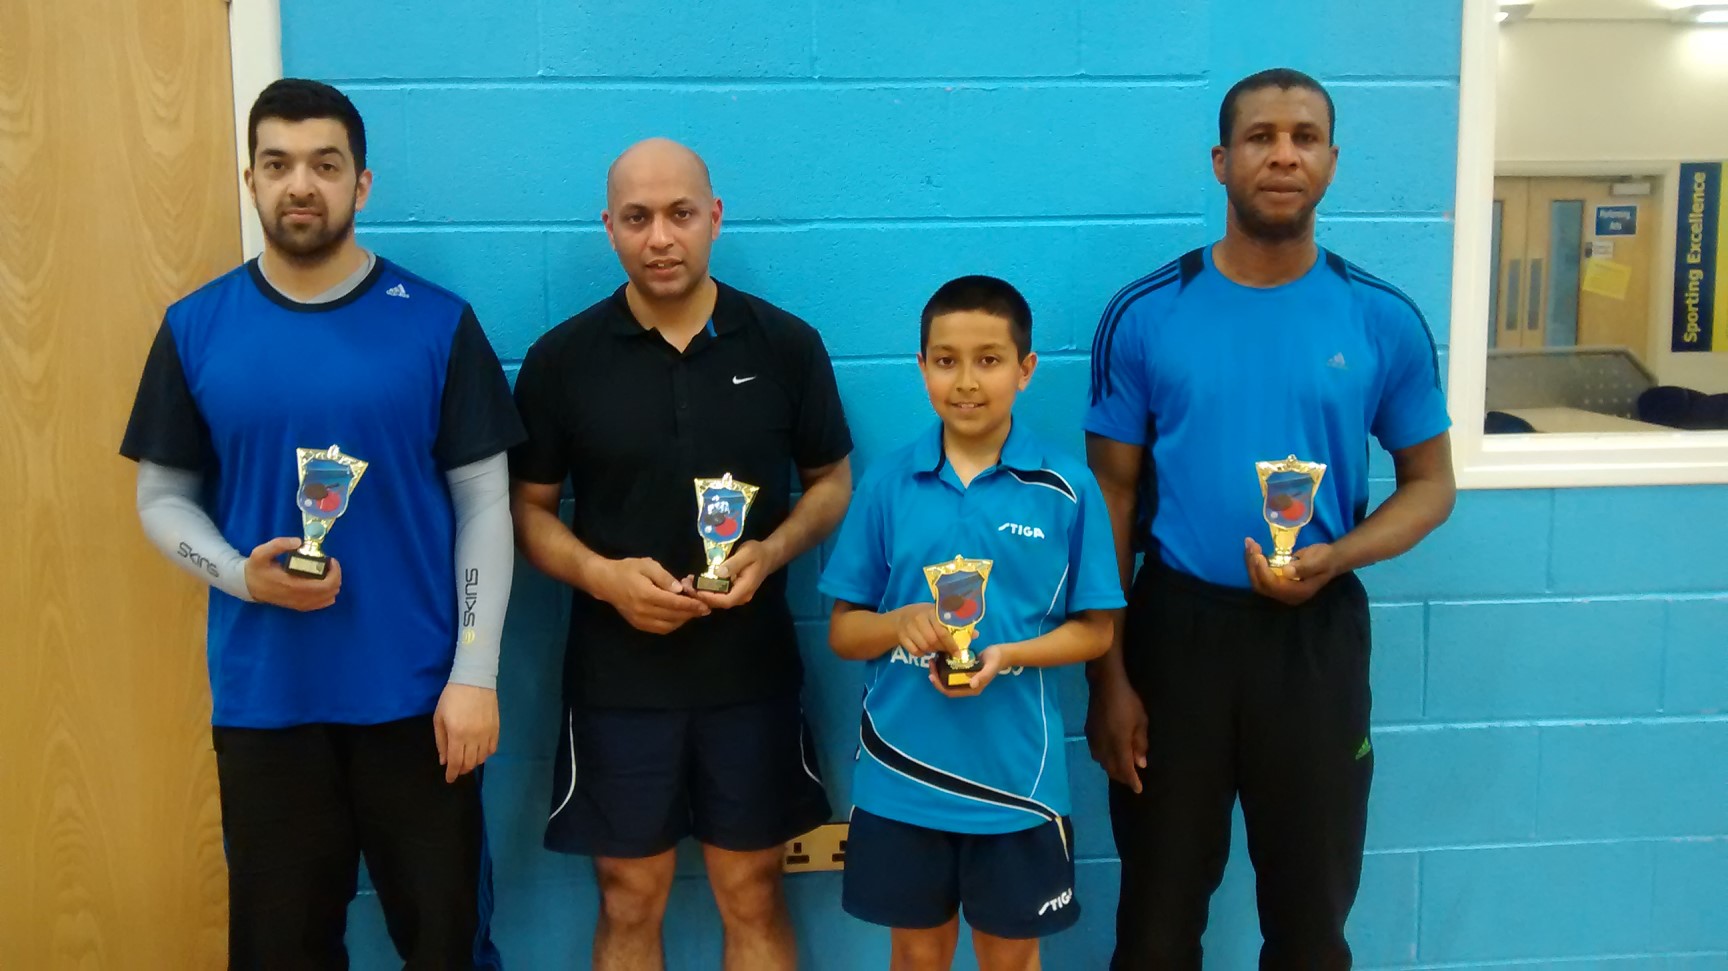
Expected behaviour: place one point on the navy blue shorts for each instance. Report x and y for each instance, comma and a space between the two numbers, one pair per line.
1016, 885
630, 782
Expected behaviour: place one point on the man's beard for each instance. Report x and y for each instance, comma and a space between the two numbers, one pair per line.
1260, 227
310, 246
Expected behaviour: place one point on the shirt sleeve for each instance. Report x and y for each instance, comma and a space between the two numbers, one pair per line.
1119, 379
477, 417
1412, 409
1092, 554
820, 435
166, 427
543, 455
857, 570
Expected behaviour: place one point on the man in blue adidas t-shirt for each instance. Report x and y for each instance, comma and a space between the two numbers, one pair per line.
1230, 680
349, 710
962, 791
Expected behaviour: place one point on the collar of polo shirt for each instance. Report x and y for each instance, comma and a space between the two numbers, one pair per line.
728, 316
1019, 451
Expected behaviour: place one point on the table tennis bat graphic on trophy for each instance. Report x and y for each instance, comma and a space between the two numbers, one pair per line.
958, 586
1287, 489
721, 505
327, 480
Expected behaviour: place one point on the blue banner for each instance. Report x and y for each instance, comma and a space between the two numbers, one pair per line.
1697, 241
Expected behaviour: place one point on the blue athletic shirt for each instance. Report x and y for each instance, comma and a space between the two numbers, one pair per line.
1212, 376
991, 763
397, 373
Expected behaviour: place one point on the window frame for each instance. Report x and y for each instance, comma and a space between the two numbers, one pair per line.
1550, 460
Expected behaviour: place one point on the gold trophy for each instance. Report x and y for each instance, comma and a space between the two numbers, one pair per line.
1287, 491
721, 505
958, 586
327, 478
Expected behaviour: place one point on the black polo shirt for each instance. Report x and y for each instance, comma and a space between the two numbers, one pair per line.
631, 423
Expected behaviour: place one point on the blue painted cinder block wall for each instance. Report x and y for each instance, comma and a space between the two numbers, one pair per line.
1551, 670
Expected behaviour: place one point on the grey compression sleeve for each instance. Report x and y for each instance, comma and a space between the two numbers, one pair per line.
178, 525
485, 561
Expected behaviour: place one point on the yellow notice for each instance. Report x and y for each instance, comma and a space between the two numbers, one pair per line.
1606, 278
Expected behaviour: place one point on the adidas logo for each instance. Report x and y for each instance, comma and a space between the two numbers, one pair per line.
398, 291
1337, 361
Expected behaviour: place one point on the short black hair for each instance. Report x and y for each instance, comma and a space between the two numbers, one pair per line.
984, 294
1282, 78
301, 99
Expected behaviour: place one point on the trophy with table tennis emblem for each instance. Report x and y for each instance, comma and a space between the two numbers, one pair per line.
721, 505
1287, 491
327, 478
958, 586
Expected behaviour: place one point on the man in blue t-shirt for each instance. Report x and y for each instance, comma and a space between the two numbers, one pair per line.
350, 709
961, 787
1230, 679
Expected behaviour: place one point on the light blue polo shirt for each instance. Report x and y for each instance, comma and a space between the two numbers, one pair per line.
991, 763
1211, 376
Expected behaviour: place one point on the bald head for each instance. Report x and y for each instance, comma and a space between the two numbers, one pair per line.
661, 218
659, 162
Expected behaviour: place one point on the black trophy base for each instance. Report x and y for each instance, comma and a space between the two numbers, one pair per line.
312, 566
708, 584
952, 675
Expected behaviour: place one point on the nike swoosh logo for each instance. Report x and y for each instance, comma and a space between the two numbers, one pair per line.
739, 380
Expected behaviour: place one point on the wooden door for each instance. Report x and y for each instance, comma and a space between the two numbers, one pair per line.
1550, 294
1512, 268
1551, 266
117, 196
1614, 309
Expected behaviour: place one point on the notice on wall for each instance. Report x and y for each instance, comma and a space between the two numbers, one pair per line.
1700, 262
1606, 278
1616, 220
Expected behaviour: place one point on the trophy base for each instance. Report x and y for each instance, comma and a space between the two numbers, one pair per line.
709, 584
951, 673
312, 566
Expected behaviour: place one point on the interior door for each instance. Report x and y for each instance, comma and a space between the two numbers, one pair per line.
1576, 262
117, 195
1613, 306
1510, 290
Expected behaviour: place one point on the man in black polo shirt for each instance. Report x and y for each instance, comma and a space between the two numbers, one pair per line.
683, 713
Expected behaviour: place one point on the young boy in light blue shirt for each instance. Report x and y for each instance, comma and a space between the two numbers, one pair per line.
961, 787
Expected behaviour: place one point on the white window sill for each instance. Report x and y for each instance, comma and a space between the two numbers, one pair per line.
1612, 459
